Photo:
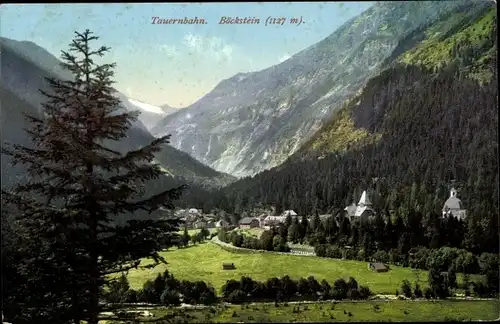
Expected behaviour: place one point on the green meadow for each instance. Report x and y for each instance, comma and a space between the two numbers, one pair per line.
204, 262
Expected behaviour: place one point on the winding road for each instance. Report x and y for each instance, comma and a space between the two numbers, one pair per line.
216, 240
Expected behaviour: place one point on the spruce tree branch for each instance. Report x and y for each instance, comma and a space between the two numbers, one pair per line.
163, 199
121, 268
143, 154
143, 173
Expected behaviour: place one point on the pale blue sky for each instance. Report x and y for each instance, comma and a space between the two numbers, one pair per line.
177, 64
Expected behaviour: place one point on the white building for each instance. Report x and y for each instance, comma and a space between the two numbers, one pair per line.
194, 211
274, 220
362, 209
221, 224
454, 206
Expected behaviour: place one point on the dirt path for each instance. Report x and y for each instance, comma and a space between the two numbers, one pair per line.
216, 240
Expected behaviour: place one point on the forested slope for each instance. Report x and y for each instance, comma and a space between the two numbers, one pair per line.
414, 131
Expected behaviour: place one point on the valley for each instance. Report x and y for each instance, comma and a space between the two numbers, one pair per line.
353, 179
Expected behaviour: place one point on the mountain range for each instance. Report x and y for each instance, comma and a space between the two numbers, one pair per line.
255, 121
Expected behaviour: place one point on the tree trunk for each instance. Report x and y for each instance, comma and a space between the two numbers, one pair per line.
93, 262
94, 274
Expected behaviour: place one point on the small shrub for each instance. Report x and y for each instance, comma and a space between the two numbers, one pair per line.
353, 294
364, 292
428, 293
237, 297
250, 318
406, 288
234, 314
417, 292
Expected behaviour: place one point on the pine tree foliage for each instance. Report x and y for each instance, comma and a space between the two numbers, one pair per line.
79, 189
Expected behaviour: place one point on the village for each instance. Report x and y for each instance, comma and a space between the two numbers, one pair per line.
194, 218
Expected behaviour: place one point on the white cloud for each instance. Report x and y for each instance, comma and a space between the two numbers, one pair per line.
284, 58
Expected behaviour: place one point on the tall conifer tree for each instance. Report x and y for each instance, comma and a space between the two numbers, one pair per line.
73, 207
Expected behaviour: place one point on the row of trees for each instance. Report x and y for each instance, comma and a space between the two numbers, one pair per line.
183, 240
268, 241
285, 289
381, 232
165, 289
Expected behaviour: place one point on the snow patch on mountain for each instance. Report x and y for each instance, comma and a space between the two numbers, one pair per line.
149, 115
147, 107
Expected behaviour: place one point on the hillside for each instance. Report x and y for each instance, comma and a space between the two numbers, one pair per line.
254, 121
464, 37
410, 134
25, 65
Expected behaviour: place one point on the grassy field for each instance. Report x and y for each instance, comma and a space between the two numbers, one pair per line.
406, 311
204, 262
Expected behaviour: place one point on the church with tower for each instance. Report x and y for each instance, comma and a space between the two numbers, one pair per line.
454, 206
362, 210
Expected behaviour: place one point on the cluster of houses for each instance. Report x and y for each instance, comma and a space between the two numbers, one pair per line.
195, 218
361, 210
266, 222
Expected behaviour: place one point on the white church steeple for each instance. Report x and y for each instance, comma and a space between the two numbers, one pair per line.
364, 200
